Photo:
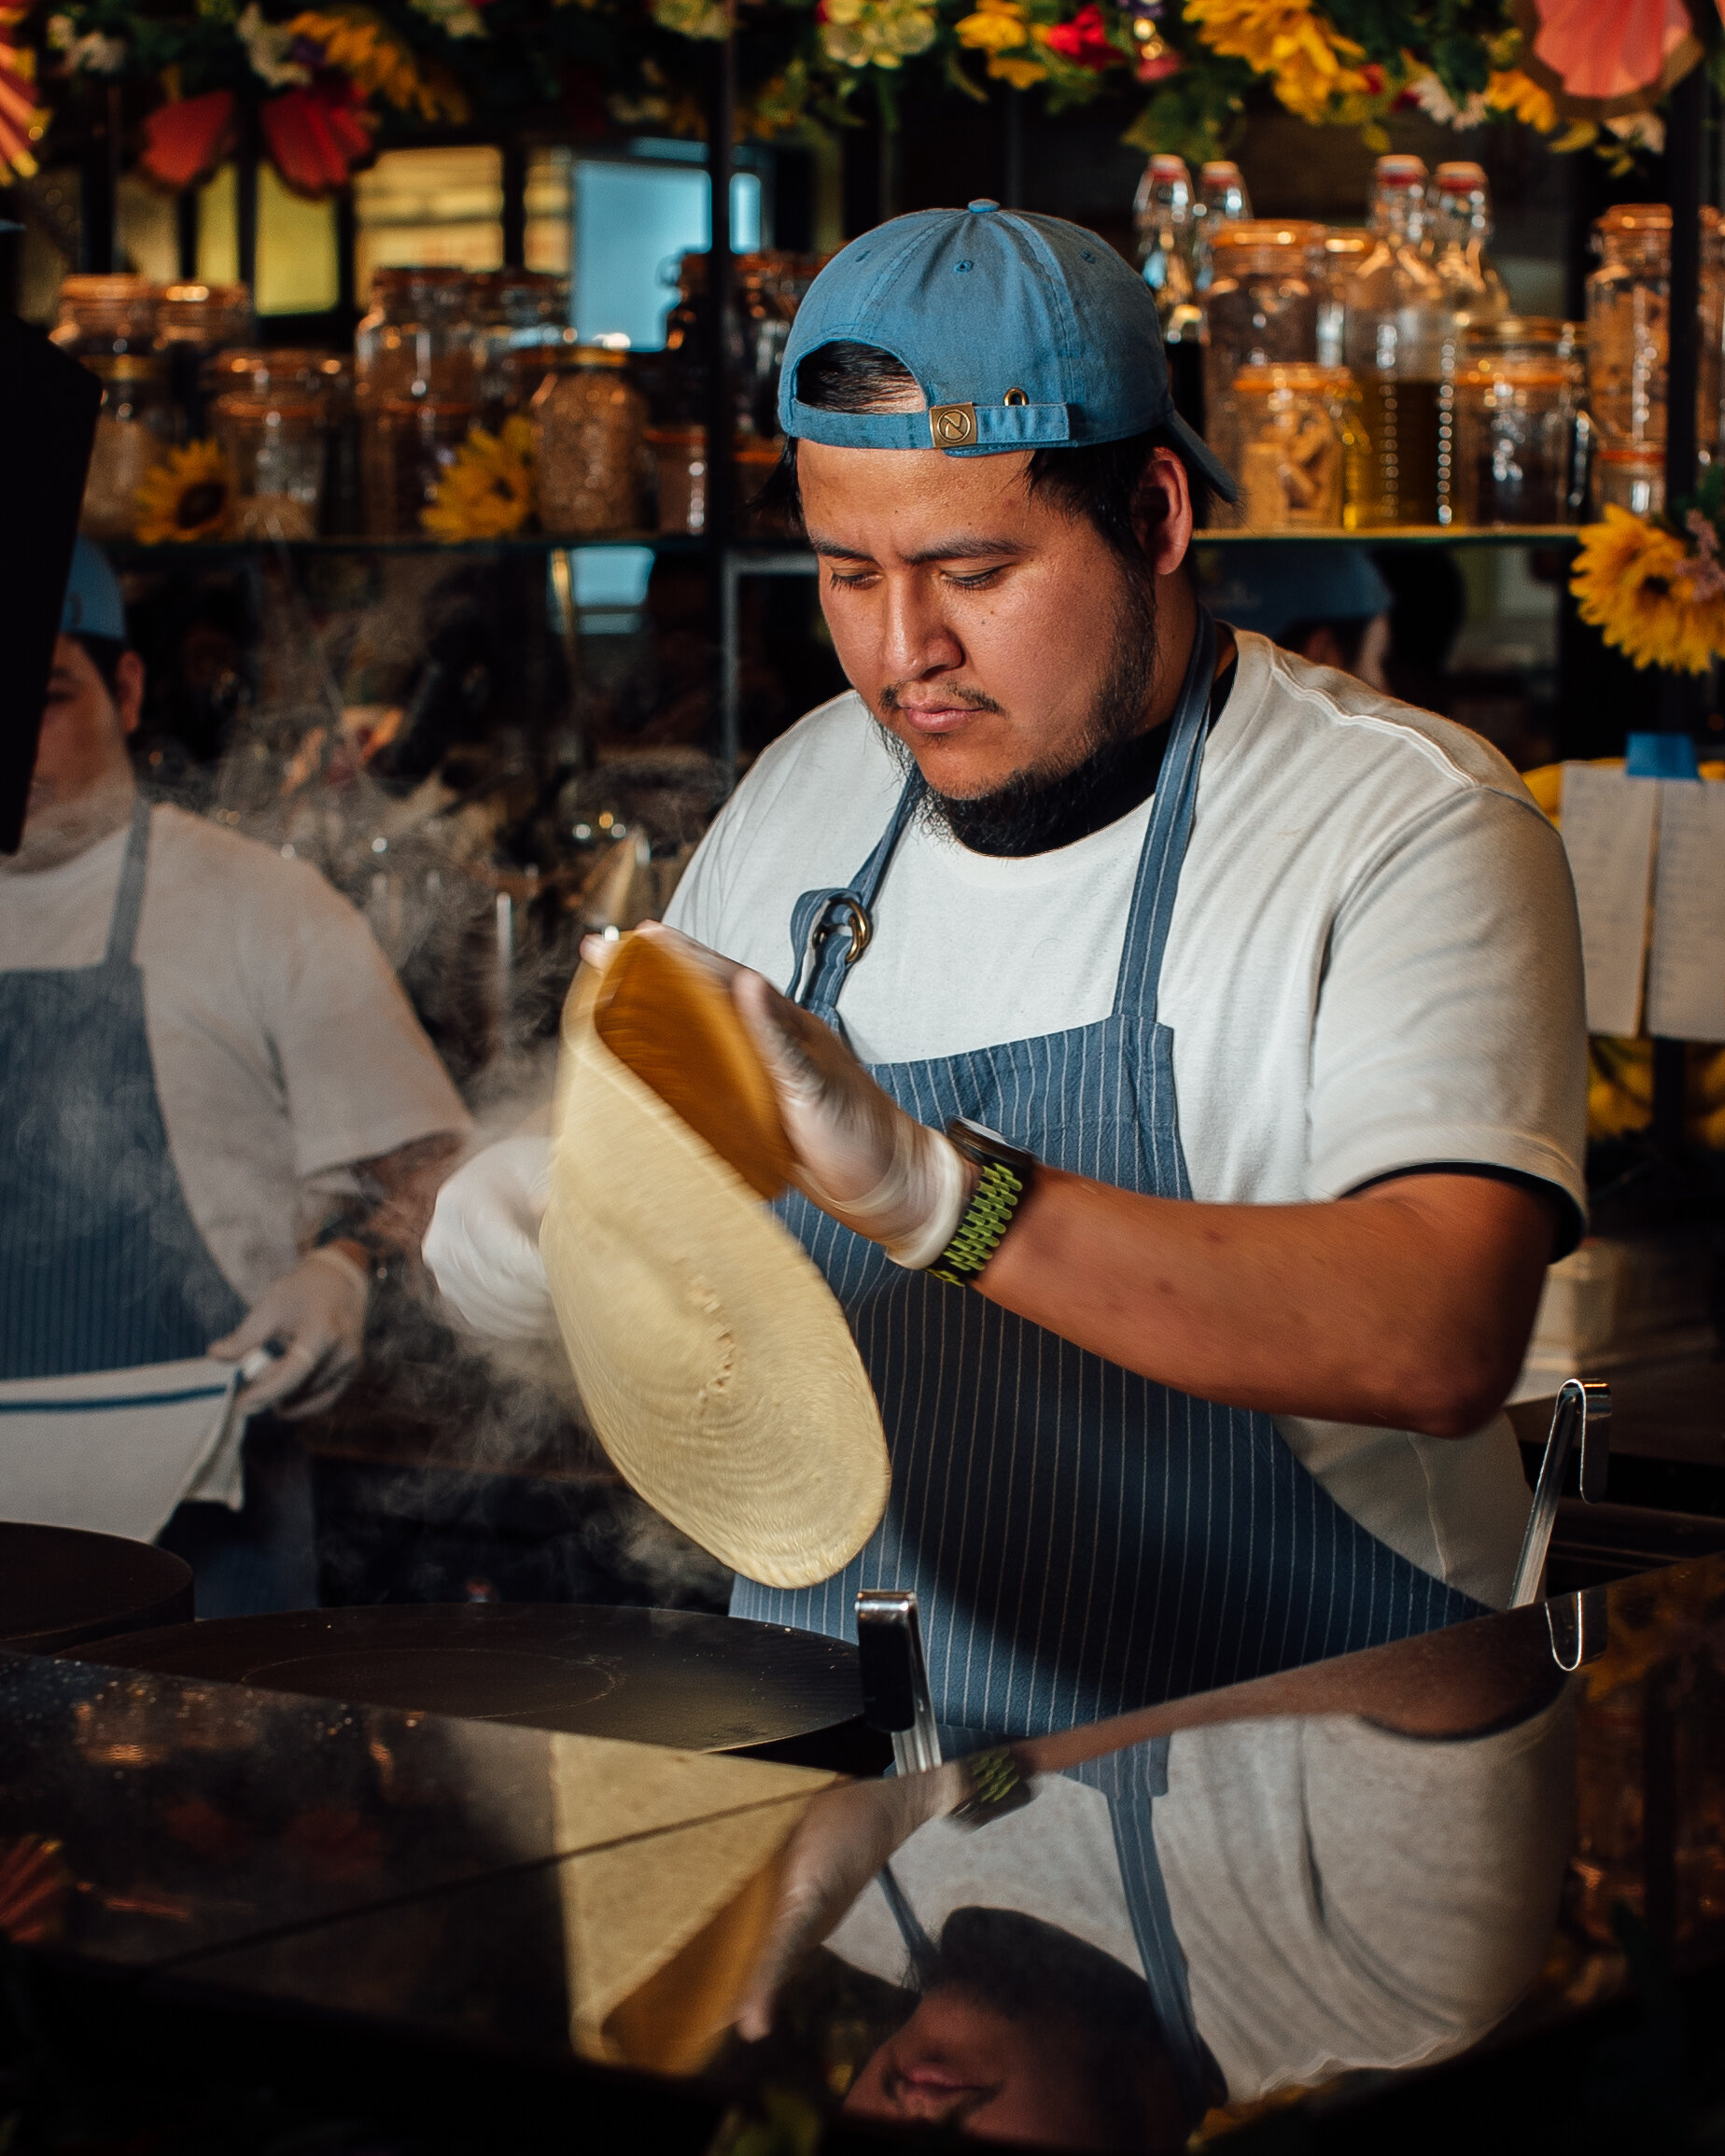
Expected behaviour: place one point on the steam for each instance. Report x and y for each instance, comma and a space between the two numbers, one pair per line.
386, 742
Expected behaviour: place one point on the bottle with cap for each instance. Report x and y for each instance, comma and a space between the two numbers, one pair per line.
1222, 199
1398, 321
1163, 212
1459, 208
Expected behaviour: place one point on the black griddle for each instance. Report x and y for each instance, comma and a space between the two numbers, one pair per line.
678, 1677
60, 1585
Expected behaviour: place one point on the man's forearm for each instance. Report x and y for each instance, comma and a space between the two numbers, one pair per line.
398, 1192
1407, 1307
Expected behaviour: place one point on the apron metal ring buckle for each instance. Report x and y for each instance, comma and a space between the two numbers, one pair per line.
862, 928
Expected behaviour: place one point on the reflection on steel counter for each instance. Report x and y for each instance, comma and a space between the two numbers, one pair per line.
1368, 1864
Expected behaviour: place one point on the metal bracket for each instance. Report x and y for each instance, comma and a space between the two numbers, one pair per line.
1582, 1413
895, 1677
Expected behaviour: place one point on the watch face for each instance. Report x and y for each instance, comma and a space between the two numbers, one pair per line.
983, 1145
980, 1133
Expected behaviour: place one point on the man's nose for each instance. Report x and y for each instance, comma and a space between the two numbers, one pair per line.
916, 638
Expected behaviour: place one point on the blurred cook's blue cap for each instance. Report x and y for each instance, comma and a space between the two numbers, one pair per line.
92, 606
1272, 588
1023, 332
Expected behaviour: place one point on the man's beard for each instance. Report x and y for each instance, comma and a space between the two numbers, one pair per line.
1053, 802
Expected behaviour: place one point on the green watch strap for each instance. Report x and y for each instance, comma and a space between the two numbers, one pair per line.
1005, 1177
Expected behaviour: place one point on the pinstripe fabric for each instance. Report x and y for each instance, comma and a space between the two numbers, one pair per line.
1082, 1540
102, 1266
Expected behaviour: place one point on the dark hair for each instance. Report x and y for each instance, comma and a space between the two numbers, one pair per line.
1030, 1971
1349, 635
1096, 481
105, 653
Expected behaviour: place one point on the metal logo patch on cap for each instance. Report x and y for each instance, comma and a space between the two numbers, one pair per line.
952, 426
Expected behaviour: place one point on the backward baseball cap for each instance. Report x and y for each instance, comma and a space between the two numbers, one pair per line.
1022, 331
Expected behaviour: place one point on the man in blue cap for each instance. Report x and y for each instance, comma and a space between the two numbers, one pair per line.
201, 1050
1327, 603
1181, 1044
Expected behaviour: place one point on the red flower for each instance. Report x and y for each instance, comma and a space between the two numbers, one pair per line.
1166, 62
1374, 77
317, 137
1084, 39
186, 140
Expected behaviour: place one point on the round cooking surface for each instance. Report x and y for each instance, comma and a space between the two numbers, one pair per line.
468, 1681
61, 1585
707, 1684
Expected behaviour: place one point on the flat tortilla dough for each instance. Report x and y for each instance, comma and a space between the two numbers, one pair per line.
711, 1356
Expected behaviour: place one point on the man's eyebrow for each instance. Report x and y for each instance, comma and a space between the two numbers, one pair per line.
963, 547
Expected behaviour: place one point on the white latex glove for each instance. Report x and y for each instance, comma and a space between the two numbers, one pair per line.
844, 1838
483, 1245
316, 1315
859, 1157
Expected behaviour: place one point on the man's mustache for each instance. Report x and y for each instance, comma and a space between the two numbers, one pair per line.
973, 699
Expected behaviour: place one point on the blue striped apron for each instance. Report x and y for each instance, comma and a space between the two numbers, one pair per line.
1082, 1540
102, 1266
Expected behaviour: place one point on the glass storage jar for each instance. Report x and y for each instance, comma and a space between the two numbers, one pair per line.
1628, 298
679, 468
109, 323
194, 322
1632, 476
1398, 321
517, 314
1518, 420
1261, 310
416, 391
1295, 439
270, 414
589, 424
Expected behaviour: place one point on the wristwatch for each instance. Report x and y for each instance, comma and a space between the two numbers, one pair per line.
1007, 1173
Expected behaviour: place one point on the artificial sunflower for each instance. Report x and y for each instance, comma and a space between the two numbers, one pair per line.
190, 497
1659, 602
488, 490
1307, 62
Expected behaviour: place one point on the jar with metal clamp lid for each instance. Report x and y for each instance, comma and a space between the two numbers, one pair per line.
589, 422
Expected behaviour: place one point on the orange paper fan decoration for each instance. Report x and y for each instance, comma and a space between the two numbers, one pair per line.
1600, 58
21, 120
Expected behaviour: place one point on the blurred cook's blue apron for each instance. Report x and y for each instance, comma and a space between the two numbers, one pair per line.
1082, 1540
102, 1266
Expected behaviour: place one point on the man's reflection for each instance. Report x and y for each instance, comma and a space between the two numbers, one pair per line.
1331, 1893
1023, 2033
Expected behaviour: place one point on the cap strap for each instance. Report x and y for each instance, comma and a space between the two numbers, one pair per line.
999, 426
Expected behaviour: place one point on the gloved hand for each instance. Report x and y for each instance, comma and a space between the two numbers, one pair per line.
317, 1315
483, 1244
859, 1157
842, 1841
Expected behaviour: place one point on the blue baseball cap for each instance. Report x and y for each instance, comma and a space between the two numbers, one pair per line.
1022, 331
1272, 588
92, 606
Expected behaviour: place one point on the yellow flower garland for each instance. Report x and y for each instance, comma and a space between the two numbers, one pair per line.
487, 492
1307, 62
361, 45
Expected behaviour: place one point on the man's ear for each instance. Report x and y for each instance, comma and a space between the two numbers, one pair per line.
1162, 510
129, 691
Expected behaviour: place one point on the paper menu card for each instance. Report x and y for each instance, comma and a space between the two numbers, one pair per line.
1608, 825
1686, 968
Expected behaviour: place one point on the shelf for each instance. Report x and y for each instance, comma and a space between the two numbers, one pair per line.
129, 553
1406, 535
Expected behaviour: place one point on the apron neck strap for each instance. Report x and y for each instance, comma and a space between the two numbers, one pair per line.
1169, 828
129, 898
830, 929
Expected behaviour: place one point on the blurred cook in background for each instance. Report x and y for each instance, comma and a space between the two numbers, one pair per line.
1327, 604
218, 1117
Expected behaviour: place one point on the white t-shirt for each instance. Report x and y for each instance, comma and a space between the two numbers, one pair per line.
1373, 964
283, 1046
1343, 1897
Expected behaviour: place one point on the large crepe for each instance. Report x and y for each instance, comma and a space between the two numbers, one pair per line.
712, 1359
